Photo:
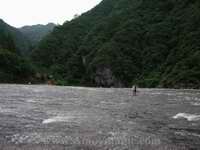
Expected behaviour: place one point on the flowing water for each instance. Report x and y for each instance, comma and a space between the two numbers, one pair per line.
75, 118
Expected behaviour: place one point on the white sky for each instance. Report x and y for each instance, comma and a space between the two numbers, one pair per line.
29, 12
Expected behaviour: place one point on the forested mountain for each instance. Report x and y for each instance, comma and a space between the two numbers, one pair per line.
13, 67
123, 42
36, 32
21, 42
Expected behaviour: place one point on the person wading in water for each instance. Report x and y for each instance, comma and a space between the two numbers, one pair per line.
134, 89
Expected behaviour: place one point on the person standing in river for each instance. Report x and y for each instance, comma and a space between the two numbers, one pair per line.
134, 89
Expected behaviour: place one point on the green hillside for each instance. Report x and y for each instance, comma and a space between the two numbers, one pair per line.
13, 67
124, 42
22, 44
36, 32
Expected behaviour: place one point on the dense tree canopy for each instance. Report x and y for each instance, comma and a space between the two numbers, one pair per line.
13, 68
35, 33
21, 43
124, 42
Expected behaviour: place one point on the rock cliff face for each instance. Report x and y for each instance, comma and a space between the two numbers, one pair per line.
105, 77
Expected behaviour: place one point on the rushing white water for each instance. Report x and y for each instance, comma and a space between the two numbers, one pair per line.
189, 117
196, 104
57, 119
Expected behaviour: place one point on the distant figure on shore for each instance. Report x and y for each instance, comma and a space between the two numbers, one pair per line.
134, 89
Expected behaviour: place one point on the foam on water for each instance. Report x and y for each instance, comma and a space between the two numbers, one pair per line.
57, 119
189, 117
31, 100
37, 90
197, 99
196, 104
6, 110
84, 88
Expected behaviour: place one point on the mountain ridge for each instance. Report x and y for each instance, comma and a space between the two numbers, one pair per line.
119, 43
14, 68
21, 42
36, 32
125, 42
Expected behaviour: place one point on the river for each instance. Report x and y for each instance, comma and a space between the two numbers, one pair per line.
78, 118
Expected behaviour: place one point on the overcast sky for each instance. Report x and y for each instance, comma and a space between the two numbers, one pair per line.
28, 12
